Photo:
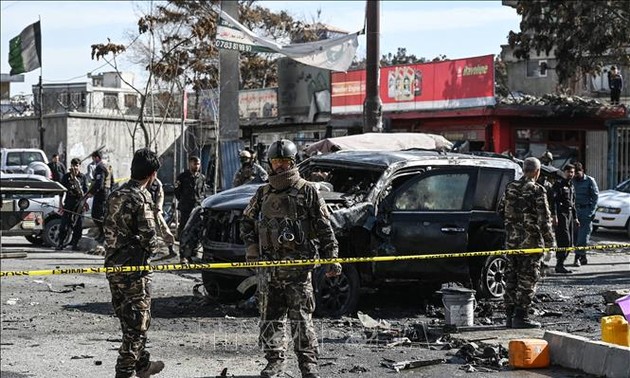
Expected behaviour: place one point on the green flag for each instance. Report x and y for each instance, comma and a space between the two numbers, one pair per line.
25, 50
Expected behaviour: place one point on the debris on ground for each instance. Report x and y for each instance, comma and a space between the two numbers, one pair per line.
12, 301
355, 369
99, 250
71, 287
479, 357
411, 364
81, 357
368, 322
610, 297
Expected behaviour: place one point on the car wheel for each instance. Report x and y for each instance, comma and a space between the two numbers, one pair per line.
51, 233
35, 239
336, 296
218, 288
492, 280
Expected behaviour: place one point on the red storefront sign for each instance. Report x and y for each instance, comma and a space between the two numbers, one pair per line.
451, 84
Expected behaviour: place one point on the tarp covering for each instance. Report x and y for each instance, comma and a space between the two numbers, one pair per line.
380, 142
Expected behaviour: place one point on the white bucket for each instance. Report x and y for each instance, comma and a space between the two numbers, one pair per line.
459, 306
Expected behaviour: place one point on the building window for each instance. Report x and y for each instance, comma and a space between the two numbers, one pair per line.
110, 100
537, 68
131, 101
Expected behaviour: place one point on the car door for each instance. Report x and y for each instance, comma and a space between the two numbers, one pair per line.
429, 214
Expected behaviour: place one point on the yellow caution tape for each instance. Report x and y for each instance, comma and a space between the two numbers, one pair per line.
302, 262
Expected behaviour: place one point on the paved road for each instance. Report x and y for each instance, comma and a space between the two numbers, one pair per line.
48, 333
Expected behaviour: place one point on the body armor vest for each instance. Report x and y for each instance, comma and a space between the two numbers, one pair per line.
284, 228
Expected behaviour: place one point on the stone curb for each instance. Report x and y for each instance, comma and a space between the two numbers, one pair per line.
592, 357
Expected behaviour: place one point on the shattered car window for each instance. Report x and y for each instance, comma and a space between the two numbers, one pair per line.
436, 192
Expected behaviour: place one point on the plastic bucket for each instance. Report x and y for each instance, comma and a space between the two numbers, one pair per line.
624, 303
459, 306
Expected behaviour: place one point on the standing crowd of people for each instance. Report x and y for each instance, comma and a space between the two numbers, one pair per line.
539, 214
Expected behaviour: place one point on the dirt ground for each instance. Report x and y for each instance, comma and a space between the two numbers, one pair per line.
63, 326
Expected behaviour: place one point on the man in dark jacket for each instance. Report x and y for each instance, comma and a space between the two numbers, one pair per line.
130, 240
189, 191
57, 169
586, 196
564, 215
100, 189
615, 83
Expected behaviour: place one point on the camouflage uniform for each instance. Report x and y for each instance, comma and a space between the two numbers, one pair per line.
527, 218
157, 195
130, 239
250, 172
73, 209
283, 221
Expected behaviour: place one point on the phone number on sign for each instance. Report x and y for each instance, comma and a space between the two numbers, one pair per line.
233, 46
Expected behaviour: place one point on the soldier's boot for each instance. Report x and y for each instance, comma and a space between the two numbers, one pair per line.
509, 314
521, 320
154, 368
576, 261
561, 269
274, 368
171, 252
309, 370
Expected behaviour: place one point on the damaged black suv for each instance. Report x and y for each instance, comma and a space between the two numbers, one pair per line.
381, 204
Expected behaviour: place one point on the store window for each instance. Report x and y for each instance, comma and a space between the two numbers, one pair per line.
563, 144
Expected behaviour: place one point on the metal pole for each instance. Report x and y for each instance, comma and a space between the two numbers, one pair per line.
182, 132
372, 106
40, 120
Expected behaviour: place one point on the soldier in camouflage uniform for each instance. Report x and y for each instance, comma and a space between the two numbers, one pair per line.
76, 184
130, 239
527, 218
287, 219
249, 171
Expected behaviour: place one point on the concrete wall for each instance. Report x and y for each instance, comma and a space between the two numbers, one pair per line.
23, 132
78, 134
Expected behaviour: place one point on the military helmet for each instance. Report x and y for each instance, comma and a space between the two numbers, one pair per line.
282, 149
547, 157
245, 155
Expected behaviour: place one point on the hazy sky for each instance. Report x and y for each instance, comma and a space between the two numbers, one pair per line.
425, 28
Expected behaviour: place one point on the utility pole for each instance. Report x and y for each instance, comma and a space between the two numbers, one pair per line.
228, 83
372, 106
229, 78
40, 119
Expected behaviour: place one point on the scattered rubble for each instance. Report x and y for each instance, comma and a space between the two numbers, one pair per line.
411, 364
610, 297
71, 287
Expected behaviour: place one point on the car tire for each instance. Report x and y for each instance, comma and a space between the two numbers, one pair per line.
336, 296
51, 232
219, 288
35, 239
492, 280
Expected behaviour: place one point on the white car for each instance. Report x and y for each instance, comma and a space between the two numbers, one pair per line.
613, 208
46, 204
